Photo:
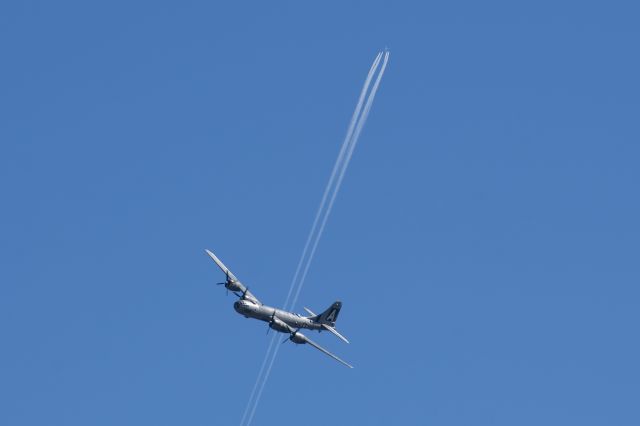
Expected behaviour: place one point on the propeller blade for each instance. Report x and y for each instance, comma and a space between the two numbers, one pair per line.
244, 293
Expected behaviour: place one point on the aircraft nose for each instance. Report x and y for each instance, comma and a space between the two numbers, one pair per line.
240, 306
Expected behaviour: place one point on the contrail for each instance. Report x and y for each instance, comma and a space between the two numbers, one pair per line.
352, 143
343, 150
361, 122
353, 133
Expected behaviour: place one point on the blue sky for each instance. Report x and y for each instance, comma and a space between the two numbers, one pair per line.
484, 243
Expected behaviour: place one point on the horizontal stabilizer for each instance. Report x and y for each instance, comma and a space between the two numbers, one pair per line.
334, 331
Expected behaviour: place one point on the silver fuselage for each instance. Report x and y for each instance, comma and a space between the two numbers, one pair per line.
265, 313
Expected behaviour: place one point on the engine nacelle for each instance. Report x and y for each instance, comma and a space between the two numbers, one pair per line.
233, 286
298, 338
279, 325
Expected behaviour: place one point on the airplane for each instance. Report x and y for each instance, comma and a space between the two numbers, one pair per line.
279, 320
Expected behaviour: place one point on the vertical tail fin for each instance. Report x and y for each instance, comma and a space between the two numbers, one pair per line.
329, 316
328, 319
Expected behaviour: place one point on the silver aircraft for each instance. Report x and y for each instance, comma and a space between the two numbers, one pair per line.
285, 322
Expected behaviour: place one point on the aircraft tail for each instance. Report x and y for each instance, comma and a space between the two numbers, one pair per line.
329, 316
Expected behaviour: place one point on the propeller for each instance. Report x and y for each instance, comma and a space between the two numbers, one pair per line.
293, 333
273, 316
241, 296
226, 282
244, 293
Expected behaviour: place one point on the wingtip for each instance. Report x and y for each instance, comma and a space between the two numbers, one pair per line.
211, 255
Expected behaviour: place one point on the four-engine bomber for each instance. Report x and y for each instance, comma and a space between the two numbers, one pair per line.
279, 320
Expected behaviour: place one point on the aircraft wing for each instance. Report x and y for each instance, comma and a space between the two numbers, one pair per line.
320, 348
237, 286
221, 265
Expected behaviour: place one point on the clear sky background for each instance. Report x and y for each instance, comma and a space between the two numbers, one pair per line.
485, 242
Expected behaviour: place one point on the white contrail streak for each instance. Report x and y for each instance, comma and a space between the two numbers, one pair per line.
342, 162
260, 373
343, 150
352, 143
352, 146
360, 123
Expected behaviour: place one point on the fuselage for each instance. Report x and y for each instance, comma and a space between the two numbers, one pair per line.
266, 313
